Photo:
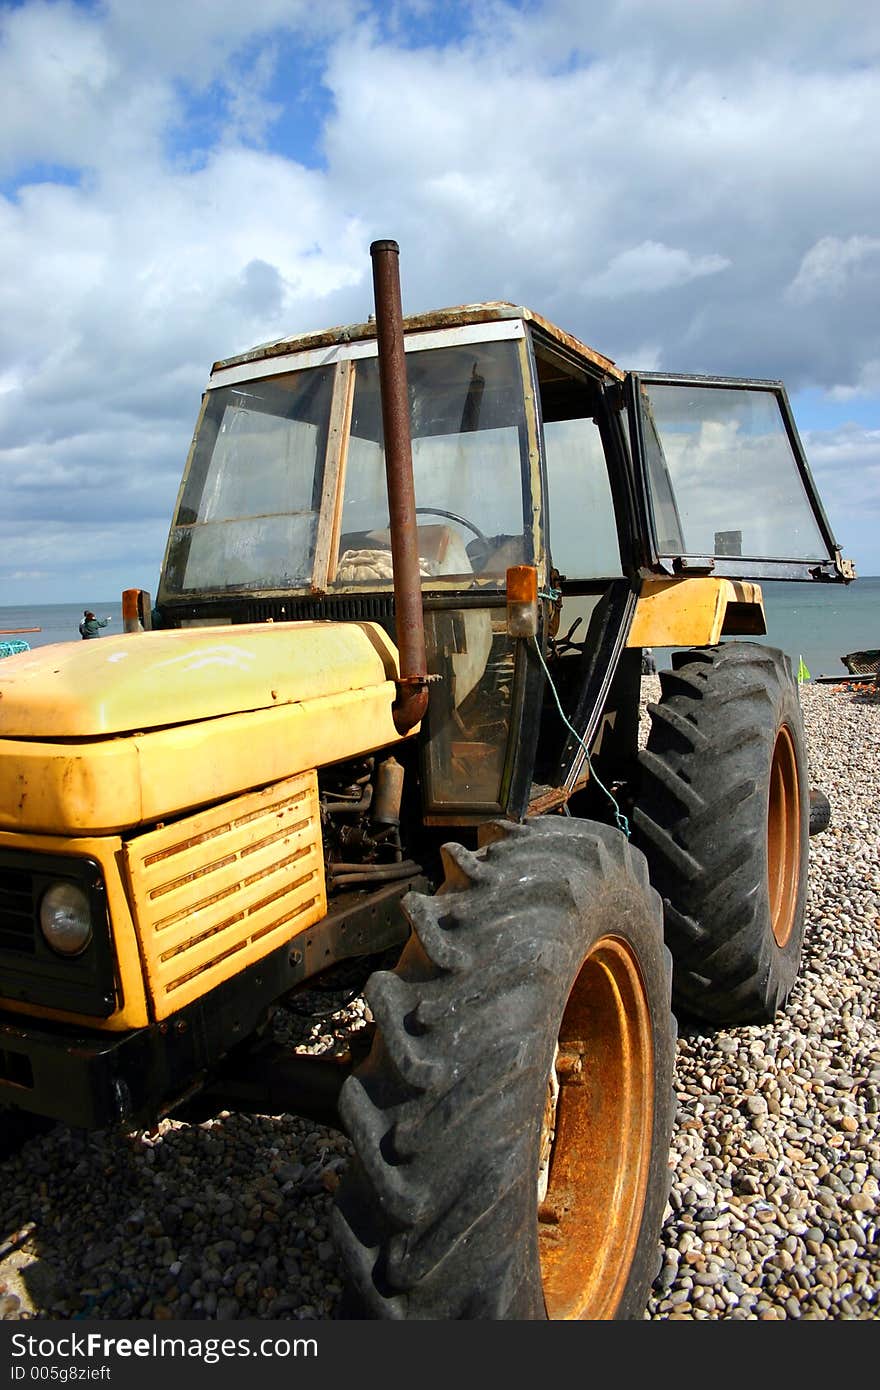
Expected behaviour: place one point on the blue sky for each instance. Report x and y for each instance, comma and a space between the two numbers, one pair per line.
687, 186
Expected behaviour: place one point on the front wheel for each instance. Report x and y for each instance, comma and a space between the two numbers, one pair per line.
512, 1122
723, 817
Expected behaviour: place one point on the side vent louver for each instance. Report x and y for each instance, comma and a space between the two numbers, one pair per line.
224, 887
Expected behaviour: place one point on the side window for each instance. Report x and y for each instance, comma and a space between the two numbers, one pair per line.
724, 474
582, 528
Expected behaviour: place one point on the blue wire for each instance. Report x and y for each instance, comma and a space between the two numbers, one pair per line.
620, 818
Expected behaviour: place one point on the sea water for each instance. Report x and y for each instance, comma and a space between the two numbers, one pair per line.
814, 622
822, 622
58, 622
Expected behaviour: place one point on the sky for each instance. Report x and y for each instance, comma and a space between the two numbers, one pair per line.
685, 185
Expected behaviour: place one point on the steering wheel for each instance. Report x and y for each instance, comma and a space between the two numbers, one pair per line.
453, 516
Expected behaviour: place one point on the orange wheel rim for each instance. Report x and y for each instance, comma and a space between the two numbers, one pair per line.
783, 837
599, 1129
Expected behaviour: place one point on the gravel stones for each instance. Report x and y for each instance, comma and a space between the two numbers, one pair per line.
775, 1164
222, 1220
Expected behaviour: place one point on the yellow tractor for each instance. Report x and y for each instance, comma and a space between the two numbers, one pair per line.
384, 709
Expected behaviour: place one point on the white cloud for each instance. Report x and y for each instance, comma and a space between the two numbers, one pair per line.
651, 267
644, 357
845, 462
725, 33
840, 448
834, 265
196, 39
68, 97
867, 383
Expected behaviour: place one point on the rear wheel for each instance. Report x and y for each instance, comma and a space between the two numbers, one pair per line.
820, 811
723, 817
512, 1122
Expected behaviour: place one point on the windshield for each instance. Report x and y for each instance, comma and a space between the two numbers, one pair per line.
468, 451
274, 493
248, 513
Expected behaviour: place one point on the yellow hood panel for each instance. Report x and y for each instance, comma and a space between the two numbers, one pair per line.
138, 681
183, 719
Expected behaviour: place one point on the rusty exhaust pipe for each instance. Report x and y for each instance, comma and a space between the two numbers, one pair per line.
412, 687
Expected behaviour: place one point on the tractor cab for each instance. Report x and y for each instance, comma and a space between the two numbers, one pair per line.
528, 449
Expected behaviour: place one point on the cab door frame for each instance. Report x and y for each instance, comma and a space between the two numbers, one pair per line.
831, 567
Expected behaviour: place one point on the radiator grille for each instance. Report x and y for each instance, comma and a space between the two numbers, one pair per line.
17, 920
338, 608
220, 889
293, 608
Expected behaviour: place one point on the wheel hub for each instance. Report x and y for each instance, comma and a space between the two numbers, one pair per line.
783, 837
598, 1127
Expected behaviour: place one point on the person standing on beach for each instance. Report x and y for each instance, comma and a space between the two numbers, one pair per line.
90, 625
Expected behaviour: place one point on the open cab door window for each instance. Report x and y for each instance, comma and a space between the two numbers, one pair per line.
728, 487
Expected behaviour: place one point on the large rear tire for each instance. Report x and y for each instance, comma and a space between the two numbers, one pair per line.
723, 818
512, 1122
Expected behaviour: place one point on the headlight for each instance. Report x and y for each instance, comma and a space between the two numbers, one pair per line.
66, 919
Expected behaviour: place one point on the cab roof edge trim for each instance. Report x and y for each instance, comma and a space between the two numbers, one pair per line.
301, 359
486, 312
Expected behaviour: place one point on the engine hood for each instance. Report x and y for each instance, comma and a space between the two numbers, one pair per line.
137, 681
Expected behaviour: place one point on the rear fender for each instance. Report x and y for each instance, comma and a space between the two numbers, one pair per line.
696, 612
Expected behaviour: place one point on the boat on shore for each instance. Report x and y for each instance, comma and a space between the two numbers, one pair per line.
863, 671
865, 663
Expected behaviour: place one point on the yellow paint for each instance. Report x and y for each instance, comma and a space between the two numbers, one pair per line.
132, 1009
193, 903
100, 738
229, 727
221, 889
116, 784
138, 681
690, 612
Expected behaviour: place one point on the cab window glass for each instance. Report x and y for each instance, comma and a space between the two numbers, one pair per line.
583, 530
736, 484
249, 509
467, 424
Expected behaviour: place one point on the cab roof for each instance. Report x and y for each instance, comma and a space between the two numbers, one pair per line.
489, 311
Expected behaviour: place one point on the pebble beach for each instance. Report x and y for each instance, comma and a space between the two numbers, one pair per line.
775, 1164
